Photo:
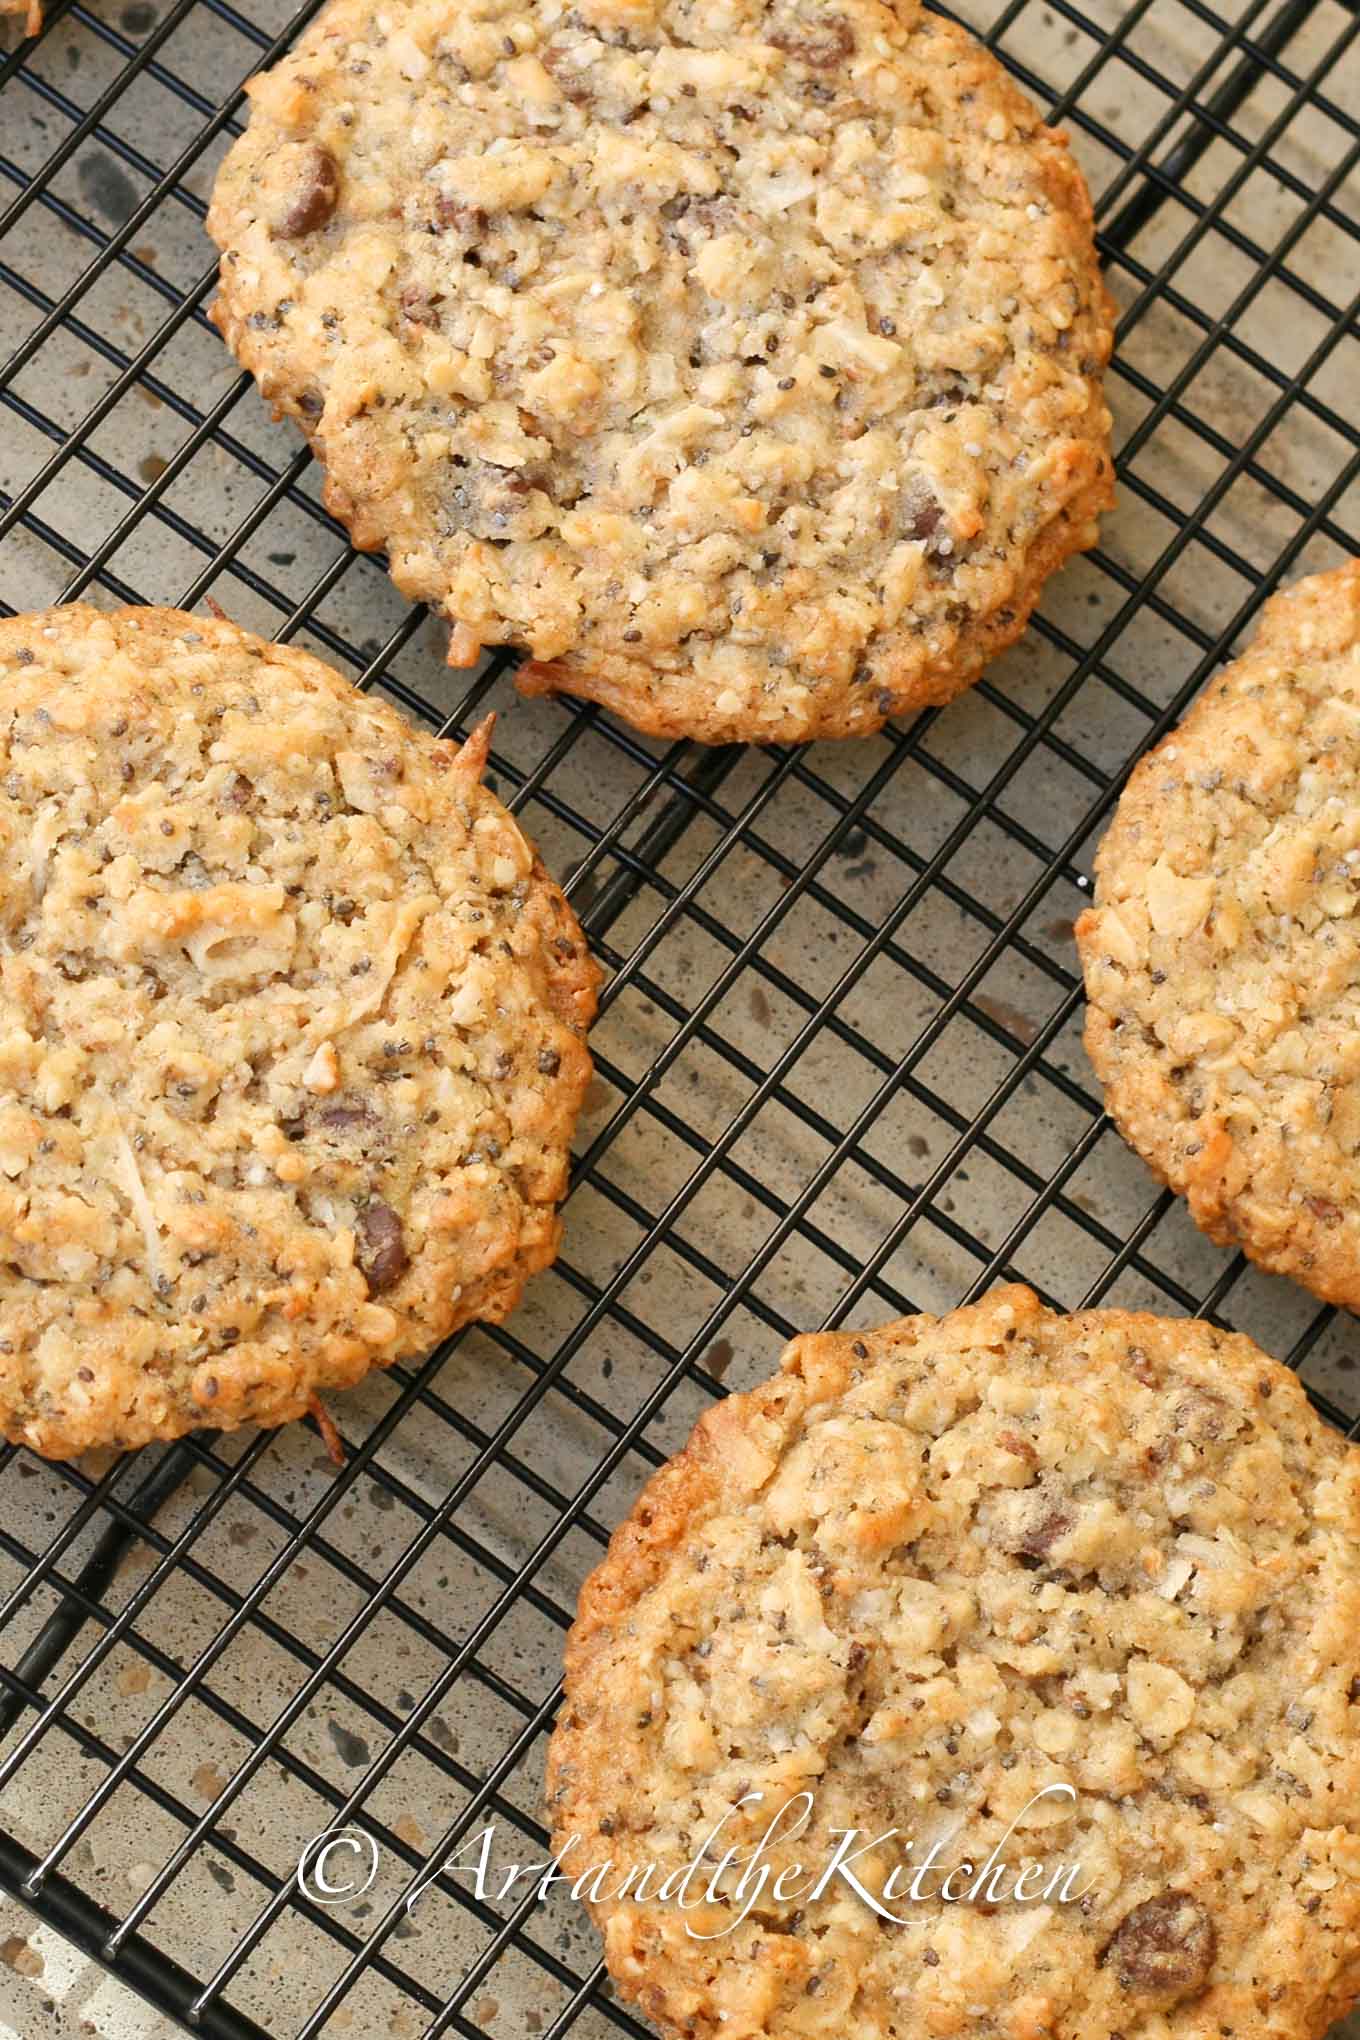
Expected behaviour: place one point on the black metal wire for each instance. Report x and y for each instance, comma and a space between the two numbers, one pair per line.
656, 843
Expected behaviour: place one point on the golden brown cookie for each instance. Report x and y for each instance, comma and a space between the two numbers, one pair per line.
741, 361
1076, 1597
1222, 955
291, 1032
31, 11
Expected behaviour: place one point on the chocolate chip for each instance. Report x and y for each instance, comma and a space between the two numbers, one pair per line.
312, 198
549, 1062
1163, 1950
1203, 1416
383, 1258
453, 212
569, 81
920, 516
831, 43
1046, 1525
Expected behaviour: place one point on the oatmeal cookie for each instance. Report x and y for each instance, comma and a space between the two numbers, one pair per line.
31, 11
739, 358
291, 1032
1222, 955
1078, 1597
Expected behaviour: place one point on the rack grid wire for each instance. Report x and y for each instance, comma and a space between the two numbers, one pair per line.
838, 1066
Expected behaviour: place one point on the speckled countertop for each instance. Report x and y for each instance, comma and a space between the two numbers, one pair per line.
45, 1987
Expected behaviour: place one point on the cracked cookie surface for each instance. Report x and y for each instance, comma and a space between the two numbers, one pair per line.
291, 1032
740, 360
1222, 954
929, 1573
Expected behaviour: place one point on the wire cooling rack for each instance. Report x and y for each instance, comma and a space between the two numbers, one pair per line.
838, 1067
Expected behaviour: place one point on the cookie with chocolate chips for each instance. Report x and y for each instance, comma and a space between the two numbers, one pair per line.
292, 1029
741, 363
1222, 955
1057, 1619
